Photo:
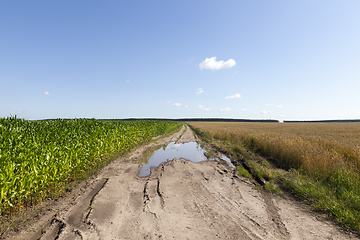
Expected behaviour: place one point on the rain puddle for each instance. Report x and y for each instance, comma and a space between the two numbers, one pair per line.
190, 151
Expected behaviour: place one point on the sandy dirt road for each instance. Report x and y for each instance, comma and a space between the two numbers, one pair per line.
179, 200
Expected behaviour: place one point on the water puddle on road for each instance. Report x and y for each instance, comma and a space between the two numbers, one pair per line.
190, 151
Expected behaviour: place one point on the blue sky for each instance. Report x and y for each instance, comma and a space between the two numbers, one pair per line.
178, 59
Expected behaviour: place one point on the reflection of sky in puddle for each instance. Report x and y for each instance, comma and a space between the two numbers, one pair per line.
223, 157
190, 151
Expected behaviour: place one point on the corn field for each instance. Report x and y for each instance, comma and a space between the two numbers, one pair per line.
37, 158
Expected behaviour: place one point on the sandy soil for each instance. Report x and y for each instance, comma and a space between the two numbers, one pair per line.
179, 200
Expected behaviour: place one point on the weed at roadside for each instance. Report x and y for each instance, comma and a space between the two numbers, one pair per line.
242, 171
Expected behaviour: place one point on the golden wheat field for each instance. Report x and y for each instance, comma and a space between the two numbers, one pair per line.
319, 148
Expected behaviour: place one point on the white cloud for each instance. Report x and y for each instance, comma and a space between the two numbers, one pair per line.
203, 108
269, 105
243, 109
186, 106
279, 106
211, 63
225, 109
263, 112
236, 95
177, 104
127, 80
199, 90
46, 93
168, 101
281, 115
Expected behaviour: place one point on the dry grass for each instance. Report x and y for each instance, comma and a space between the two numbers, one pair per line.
327, 154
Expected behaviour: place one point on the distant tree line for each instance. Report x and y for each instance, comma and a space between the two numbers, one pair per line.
222, 120
324, 121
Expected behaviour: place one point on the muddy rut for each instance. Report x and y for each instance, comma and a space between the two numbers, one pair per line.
179, 200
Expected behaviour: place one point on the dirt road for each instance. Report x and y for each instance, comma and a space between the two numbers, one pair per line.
179, 200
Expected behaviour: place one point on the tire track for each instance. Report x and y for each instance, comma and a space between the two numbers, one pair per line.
279, 228
77, 222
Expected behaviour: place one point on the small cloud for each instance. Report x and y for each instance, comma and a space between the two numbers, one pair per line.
46, 93
279, 106
186, 106
127, 80
236, 95
168, 101
243, 109
225, 109
263, 112
269, 105
211, 63
203, 108
199, 91
281, 115
177, 104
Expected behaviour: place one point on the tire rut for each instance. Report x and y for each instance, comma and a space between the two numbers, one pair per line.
279, 228
77, 220
150, 193
54, 230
